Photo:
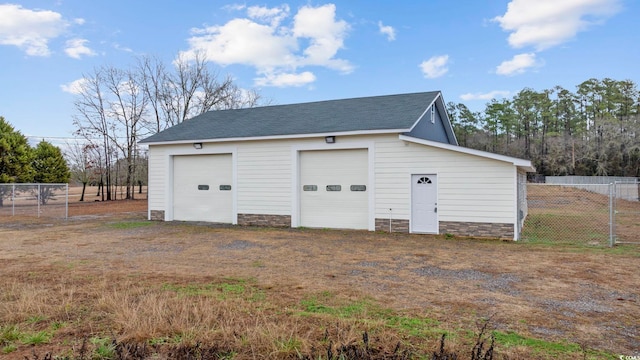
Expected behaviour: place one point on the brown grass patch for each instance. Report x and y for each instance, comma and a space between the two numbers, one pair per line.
278, 293
562, 214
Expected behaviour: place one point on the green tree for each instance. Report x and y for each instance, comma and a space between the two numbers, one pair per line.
50, 168
594, 131
15, 158
465, 123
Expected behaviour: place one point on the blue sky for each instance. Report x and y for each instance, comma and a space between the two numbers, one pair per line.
313, 50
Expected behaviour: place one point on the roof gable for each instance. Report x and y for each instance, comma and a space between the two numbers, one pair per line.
434, 125
389, 113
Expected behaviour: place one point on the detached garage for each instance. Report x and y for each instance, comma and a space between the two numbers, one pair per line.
386, 163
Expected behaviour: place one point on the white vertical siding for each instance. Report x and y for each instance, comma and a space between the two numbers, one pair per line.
470, 188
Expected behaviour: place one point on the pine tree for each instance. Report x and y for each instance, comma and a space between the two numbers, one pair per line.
50, 167
15, 158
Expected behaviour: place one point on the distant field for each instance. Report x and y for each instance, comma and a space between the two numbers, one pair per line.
564, 214
25, 203
114, 281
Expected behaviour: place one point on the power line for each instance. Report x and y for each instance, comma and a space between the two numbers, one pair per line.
68, 137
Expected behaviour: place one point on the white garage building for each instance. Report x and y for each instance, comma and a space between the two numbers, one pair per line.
387, 163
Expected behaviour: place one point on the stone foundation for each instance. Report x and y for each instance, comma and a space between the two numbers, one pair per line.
264, 220
397, 225
488, 230
157, 215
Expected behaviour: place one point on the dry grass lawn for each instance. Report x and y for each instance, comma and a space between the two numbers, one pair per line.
108, 274
569, 215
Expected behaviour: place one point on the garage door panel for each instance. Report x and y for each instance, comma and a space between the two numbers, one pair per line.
198, 195
334, 209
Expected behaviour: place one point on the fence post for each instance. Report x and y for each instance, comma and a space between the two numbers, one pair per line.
611, 194
38, 198
13, 199
66, 202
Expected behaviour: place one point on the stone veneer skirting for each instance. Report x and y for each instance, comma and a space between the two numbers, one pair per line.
489, 230
397, 225
157, 215
264, 220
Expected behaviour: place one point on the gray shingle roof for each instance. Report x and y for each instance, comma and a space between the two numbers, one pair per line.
388, 112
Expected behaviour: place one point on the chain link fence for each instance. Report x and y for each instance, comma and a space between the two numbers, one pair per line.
37, 200
587, 214
626, 212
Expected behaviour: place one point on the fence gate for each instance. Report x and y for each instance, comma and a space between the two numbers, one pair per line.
626, 212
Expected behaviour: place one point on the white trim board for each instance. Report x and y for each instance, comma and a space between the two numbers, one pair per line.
521, 163
280, 137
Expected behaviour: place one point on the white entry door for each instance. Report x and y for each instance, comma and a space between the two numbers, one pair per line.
424, 203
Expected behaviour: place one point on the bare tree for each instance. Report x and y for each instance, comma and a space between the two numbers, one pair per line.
191, 89
118, 107
154, 82
93, 121
127, 108
82, 163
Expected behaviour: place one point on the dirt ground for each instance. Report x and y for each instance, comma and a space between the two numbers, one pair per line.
584, 295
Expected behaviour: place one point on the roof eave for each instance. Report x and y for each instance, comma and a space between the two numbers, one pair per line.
276, 137
520, 163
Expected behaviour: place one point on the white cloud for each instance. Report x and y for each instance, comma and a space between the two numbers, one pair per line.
286, 79
325, 34
75, 87
518, 65
234, 7
30, 30
435, 67
485, 96
76, 48
272, 15
242, 41
276, 48
387, 30
122, 48
547, 23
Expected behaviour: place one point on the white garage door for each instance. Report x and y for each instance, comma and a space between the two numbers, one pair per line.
334, 189
202, 188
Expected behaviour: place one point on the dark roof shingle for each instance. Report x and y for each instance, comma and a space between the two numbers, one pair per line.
388, 112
